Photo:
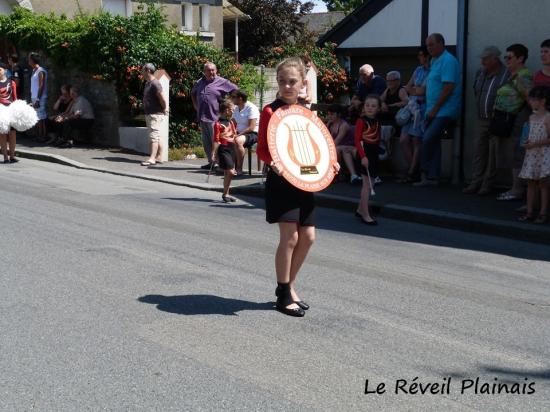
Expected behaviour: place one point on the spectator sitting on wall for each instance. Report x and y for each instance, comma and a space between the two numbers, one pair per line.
344, 140
80, 116
394, 98
369, 83
246, 114
443, 96
60, 108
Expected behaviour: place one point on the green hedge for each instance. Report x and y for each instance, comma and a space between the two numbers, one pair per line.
113, 48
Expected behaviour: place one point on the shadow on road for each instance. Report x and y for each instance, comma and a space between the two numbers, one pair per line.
117, 159
340, 221
505, 374
202, 304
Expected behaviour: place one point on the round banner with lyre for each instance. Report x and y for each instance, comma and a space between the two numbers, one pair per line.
302, 146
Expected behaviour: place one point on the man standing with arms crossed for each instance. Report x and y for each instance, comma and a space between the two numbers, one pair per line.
206, 96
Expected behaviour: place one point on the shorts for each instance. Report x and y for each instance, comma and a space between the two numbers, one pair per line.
226, 156
41, 110
251, 140
371, 152
286, 203
154, 124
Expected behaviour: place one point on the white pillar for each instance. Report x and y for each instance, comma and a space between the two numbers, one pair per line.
164, 80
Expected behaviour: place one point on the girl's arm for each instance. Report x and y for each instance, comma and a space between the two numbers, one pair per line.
14, 88
359, 137
262, 148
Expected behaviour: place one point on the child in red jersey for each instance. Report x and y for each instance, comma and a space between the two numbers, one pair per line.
223, 150
367, 139
291, 208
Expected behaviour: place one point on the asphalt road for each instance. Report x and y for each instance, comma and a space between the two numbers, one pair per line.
122, 294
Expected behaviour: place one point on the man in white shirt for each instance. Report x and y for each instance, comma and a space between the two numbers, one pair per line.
247, 117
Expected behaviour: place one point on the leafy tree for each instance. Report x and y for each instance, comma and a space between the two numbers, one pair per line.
343, 5
272, 23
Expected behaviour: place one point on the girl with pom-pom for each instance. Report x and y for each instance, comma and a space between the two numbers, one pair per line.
8, 94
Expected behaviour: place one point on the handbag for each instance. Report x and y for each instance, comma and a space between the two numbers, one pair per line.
502, 124
403, 116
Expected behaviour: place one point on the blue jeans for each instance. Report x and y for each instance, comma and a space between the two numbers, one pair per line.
431, 147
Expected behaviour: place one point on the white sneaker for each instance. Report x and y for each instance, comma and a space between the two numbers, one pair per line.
377, 180
355, 179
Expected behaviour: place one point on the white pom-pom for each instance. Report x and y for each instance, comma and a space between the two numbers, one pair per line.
4, 119
23, 117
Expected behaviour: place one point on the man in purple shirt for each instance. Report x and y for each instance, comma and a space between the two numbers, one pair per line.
206, 96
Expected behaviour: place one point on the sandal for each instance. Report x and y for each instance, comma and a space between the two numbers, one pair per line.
526, 218
228, 199
508, 196
148, 163
541, 218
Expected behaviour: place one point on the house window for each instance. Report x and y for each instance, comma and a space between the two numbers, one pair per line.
116, 7
204, 15
187, 16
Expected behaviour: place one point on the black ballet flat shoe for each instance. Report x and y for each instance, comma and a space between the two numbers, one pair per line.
296, 312
371, 223
300, 303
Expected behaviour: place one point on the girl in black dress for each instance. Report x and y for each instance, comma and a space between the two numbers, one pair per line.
291, 208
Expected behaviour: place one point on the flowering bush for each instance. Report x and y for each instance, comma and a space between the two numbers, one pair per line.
113, 48
332, 77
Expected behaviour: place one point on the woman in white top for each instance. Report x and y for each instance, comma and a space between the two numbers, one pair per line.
247, 116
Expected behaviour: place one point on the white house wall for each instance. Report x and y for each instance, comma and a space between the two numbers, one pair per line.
443, 19
5, 8
397, 25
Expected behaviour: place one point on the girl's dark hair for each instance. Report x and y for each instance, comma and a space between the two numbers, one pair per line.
545, 43
375, 97
224, 105
336, 109
240, 94
539, 92
3, 65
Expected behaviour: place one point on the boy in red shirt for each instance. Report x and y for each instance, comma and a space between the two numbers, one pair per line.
223, 150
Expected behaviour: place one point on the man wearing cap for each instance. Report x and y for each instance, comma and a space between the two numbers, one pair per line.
206, 96
154, 106
489, 78
369, 83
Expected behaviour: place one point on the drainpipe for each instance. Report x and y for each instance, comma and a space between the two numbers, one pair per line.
237, 39
462, 43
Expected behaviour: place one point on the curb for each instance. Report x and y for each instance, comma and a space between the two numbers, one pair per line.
455, 221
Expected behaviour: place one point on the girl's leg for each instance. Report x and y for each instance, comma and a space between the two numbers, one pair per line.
544, 193
348, 155
415, 156
531, 191
4, 146
306, 237
405, 142
363, 208
288, 240
227, 176
12, 139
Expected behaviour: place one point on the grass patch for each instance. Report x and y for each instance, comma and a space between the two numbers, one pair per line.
182, 153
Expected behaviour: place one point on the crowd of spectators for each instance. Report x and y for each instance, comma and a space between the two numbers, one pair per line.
422, 110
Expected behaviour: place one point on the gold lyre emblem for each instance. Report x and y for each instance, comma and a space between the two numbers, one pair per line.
302, 149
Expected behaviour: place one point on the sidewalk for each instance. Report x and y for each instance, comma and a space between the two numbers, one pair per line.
443, 206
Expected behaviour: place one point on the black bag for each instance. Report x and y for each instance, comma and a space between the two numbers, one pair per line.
502, 124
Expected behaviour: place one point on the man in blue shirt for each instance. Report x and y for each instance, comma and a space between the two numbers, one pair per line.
369, 83
443, 96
